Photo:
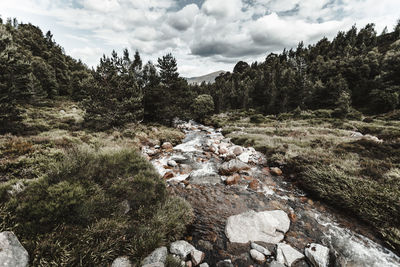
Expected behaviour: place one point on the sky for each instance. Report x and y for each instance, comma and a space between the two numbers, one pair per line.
203, 35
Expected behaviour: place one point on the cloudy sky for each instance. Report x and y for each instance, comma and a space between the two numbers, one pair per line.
204, 35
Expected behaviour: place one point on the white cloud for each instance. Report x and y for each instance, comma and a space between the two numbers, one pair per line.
203, 38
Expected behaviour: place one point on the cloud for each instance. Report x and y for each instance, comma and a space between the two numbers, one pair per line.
204, 35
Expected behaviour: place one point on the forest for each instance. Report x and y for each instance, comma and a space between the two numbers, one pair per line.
358, 71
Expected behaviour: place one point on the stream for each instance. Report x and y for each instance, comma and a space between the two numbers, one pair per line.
192, 170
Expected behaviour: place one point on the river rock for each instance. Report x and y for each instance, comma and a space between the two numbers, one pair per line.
122, 262
233, 166
181, 248
233, 179
260, 249
155, 264
179, 159
318, 255
204, 264
276, 171
158, 255
287, 255
167, 145
12, 253
197, 257
237, 150
257, 256
275, 264
172, 163
245, 156
265, 226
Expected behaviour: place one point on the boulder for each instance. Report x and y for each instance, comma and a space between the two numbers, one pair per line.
179, 159
122, 262
287, 255
257, 256
245, 156
233, 166
276, 171
237, 150
181, 248
167, 145
172, 163
260, 249
158, 255
265, 226
197, 257
12, 253
204, 264
318, 255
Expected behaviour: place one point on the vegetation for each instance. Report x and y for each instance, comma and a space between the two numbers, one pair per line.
359, 175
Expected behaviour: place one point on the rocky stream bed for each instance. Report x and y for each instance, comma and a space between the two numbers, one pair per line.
247, 214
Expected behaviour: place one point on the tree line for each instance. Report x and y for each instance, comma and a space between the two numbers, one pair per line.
357, 70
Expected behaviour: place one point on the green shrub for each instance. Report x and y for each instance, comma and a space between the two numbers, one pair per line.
257, 118
74, 215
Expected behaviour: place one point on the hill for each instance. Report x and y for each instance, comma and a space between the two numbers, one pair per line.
208, 78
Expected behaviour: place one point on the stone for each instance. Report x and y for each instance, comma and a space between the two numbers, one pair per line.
356, 134
265, 226
260, 249
244, 157
188, 264
275, 264
204, 264
168, 175
225, 263
287, 255
172, 163
181, 248
257, 256
237, 150
233, 166
155, 264
222, 150
158, 255
125, 207
318, 255
197, 257
12, 253
122, 262
167, 145
276, 171
233, 179
179, 159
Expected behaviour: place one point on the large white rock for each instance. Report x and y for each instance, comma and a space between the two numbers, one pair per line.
318, 255
181, 248
122, 262
12, 253
266, 226
257, 256
287, 255
158, 255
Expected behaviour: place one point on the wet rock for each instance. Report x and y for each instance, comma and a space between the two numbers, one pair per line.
12, 253
265, 226
204, 264
276, 171
287, 255
179, 159
197, 257
181, 248
318, 255
158, 255
254, 184
237, 150
233, 179
233, 166
168, 175
166, 145
225, 263
172, 163
257, 256
260, 249
122, 262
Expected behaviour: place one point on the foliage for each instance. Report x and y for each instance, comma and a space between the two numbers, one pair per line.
74, 214
202, 106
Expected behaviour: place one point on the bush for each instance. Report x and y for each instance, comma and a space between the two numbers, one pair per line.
74, 215
257, 118
202, 106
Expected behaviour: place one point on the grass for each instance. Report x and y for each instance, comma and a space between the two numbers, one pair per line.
64, 189
359, 176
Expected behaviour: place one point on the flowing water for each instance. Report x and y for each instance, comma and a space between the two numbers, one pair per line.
196, 178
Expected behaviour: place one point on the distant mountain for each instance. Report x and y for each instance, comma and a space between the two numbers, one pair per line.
208, 78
